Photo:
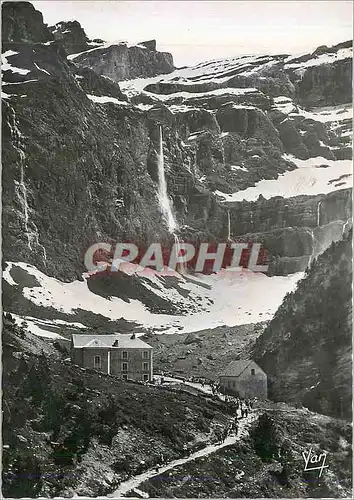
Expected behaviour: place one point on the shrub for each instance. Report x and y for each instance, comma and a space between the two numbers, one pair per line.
265, 438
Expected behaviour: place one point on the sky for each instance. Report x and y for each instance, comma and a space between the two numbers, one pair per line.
196, 31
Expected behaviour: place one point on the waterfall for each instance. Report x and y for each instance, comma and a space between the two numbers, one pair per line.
22, 190
318, 213
228, 226
345, 224
164, 201
182, 268
312, 256
166, 205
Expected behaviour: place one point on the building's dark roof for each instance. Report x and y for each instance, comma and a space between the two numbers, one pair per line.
124, 341
235, 368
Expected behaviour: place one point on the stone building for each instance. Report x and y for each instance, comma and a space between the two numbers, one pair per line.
245, 379
123, 355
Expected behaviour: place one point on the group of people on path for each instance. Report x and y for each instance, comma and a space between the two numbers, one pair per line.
242, 406
245, 406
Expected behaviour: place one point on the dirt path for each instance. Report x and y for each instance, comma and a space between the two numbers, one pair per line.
134, 482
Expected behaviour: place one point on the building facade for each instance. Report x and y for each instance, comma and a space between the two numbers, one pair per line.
244, 379
123, 355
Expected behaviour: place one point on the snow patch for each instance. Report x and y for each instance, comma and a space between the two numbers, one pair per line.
32, 326
6, 275
236, 167
312, 177
6, 66
104, 99
106, 45
328, 58
41, 69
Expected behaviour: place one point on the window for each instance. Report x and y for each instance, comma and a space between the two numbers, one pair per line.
145, 367
145, 354
146, 378
125, 354
97, 361
124, 367
125, 377
253, 372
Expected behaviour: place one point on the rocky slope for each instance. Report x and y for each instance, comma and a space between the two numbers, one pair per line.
306, 349
205, 353
268, 463
244, 160
123, 62
20, 22
117, 61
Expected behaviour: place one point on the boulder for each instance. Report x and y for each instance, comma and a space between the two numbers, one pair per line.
149, 44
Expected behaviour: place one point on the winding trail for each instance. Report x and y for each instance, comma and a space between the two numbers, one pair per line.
206, 389
134, 482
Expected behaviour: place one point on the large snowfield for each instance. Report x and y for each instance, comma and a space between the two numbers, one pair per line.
237, 298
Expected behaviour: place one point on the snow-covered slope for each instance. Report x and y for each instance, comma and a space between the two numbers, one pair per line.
225, 298
313, 176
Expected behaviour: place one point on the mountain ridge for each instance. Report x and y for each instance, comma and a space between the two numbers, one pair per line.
306, 348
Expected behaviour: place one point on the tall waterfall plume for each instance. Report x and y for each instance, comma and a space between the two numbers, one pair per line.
166, 204
164, 201
319, 213
228, 226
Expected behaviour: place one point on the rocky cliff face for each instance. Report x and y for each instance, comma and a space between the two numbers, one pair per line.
306, 348
71, 36
117, 61
325, 84
21, 22
123, 62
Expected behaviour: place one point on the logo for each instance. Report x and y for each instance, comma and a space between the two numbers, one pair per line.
314, 461
180, 256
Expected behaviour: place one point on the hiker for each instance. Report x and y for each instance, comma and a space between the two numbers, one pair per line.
218, 436
162, 380
235, 426
246, 411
